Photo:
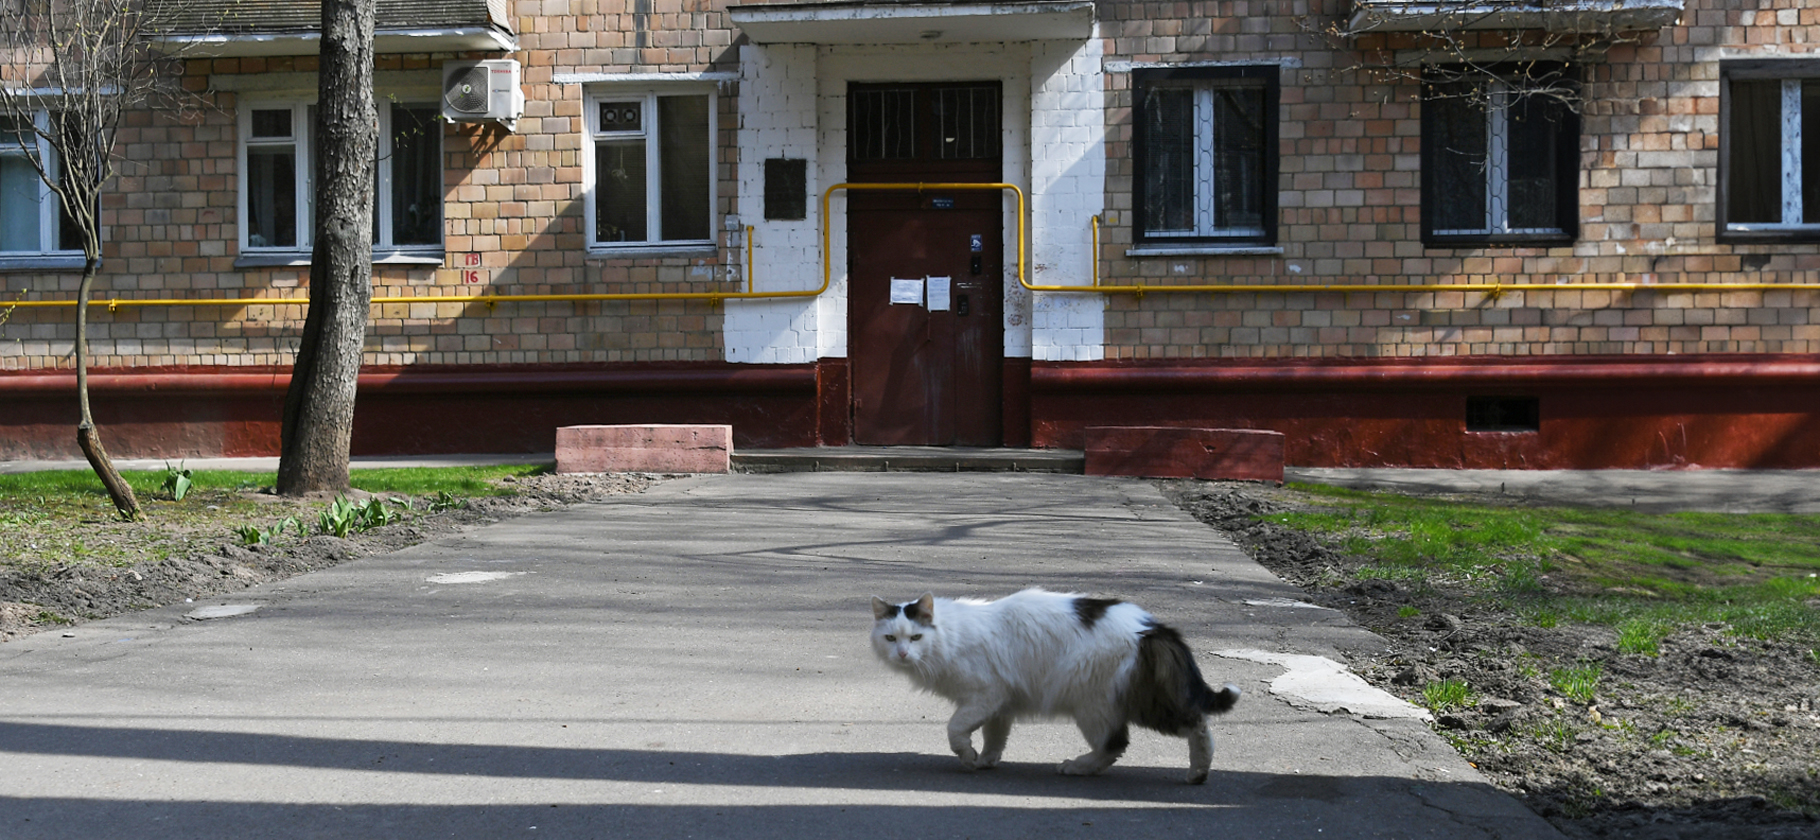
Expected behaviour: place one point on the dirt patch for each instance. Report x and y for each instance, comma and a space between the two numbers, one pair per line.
1716, 737
202, 556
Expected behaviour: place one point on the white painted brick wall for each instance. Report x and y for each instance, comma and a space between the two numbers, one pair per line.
778, 119
1010, 64
793, 104
1067, 189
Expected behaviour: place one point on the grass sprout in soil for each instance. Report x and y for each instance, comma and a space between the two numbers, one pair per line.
1626, 674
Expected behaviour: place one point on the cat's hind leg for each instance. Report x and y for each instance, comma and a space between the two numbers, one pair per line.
995, 732
1200, 753
1109, 740
969, 717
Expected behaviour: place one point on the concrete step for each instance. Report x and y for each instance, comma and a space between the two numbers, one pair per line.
908, 459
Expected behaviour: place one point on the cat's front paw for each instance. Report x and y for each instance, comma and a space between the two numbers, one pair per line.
988, 761
1077, 767
969, 757
1197, 777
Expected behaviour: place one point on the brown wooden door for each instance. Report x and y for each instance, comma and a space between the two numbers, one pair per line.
925, 373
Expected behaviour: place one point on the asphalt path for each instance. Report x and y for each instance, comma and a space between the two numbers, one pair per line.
693, 662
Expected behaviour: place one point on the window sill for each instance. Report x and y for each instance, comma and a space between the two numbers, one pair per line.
625, 252
1204, 251
1559, 241
435, 257
41, 262
272, 259
1770, 235
300, 259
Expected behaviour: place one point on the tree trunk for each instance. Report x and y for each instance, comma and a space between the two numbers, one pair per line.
87, 436
319, 407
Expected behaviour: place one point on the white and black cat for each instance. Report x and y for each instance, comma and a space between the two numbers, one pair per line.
1105, 663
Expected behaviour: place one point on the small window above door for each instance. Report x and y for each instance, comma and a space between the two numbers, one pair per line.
941, 131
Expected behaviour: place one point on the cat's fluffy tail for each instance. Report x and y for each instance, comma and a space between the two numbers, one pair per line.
1167, 692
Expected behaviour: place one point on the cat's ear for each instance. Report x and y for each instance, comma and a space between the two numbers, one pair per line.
923, 610
882, 609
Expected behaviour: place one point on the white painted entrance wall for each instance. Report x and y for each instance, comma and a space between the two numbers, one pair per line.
777, 119
1067, 189
793, 104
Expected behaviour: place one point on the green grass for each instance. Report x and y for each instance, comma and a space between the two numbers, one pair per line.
1446, 694
58, 517
1641, 636
427, 481
1577, 683
1555, 734
64, 485
1644, 574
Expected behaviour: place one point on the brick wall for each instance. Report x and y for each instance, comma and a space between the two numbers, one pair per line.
1349, 193
513, 225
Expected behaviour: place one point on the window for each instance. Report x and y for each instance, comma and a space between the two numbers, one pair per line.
1206, 142
276, 191
409, 190
31, 221
1500, 160
652, 169
1770, 151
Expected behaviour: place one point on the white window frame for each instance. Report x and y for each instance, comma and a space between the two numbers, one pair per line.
1793, 205
646, 95
299, 141
303, 144
382, 184
49, 206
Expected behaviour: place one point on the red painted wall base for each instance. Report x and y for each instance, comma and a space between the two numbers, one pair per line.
1592, 412
1180, 452
405, 411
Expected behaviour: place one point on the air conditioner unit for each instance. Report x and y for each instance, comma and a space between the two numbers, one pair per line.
474, 91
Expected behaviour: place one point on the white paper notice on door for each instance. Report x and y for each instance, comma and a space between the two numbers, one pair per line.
907, 291
939, 293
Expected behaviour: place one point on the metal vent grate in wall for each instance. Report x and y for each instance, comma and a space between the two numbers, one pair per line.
1503, 414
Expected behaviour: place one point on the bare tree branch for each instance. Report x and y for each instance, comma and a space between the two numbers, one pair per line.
1530, 48
69, 72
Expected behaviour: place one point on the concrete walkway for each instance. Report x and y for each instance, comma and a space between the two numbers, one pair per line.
693, 661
